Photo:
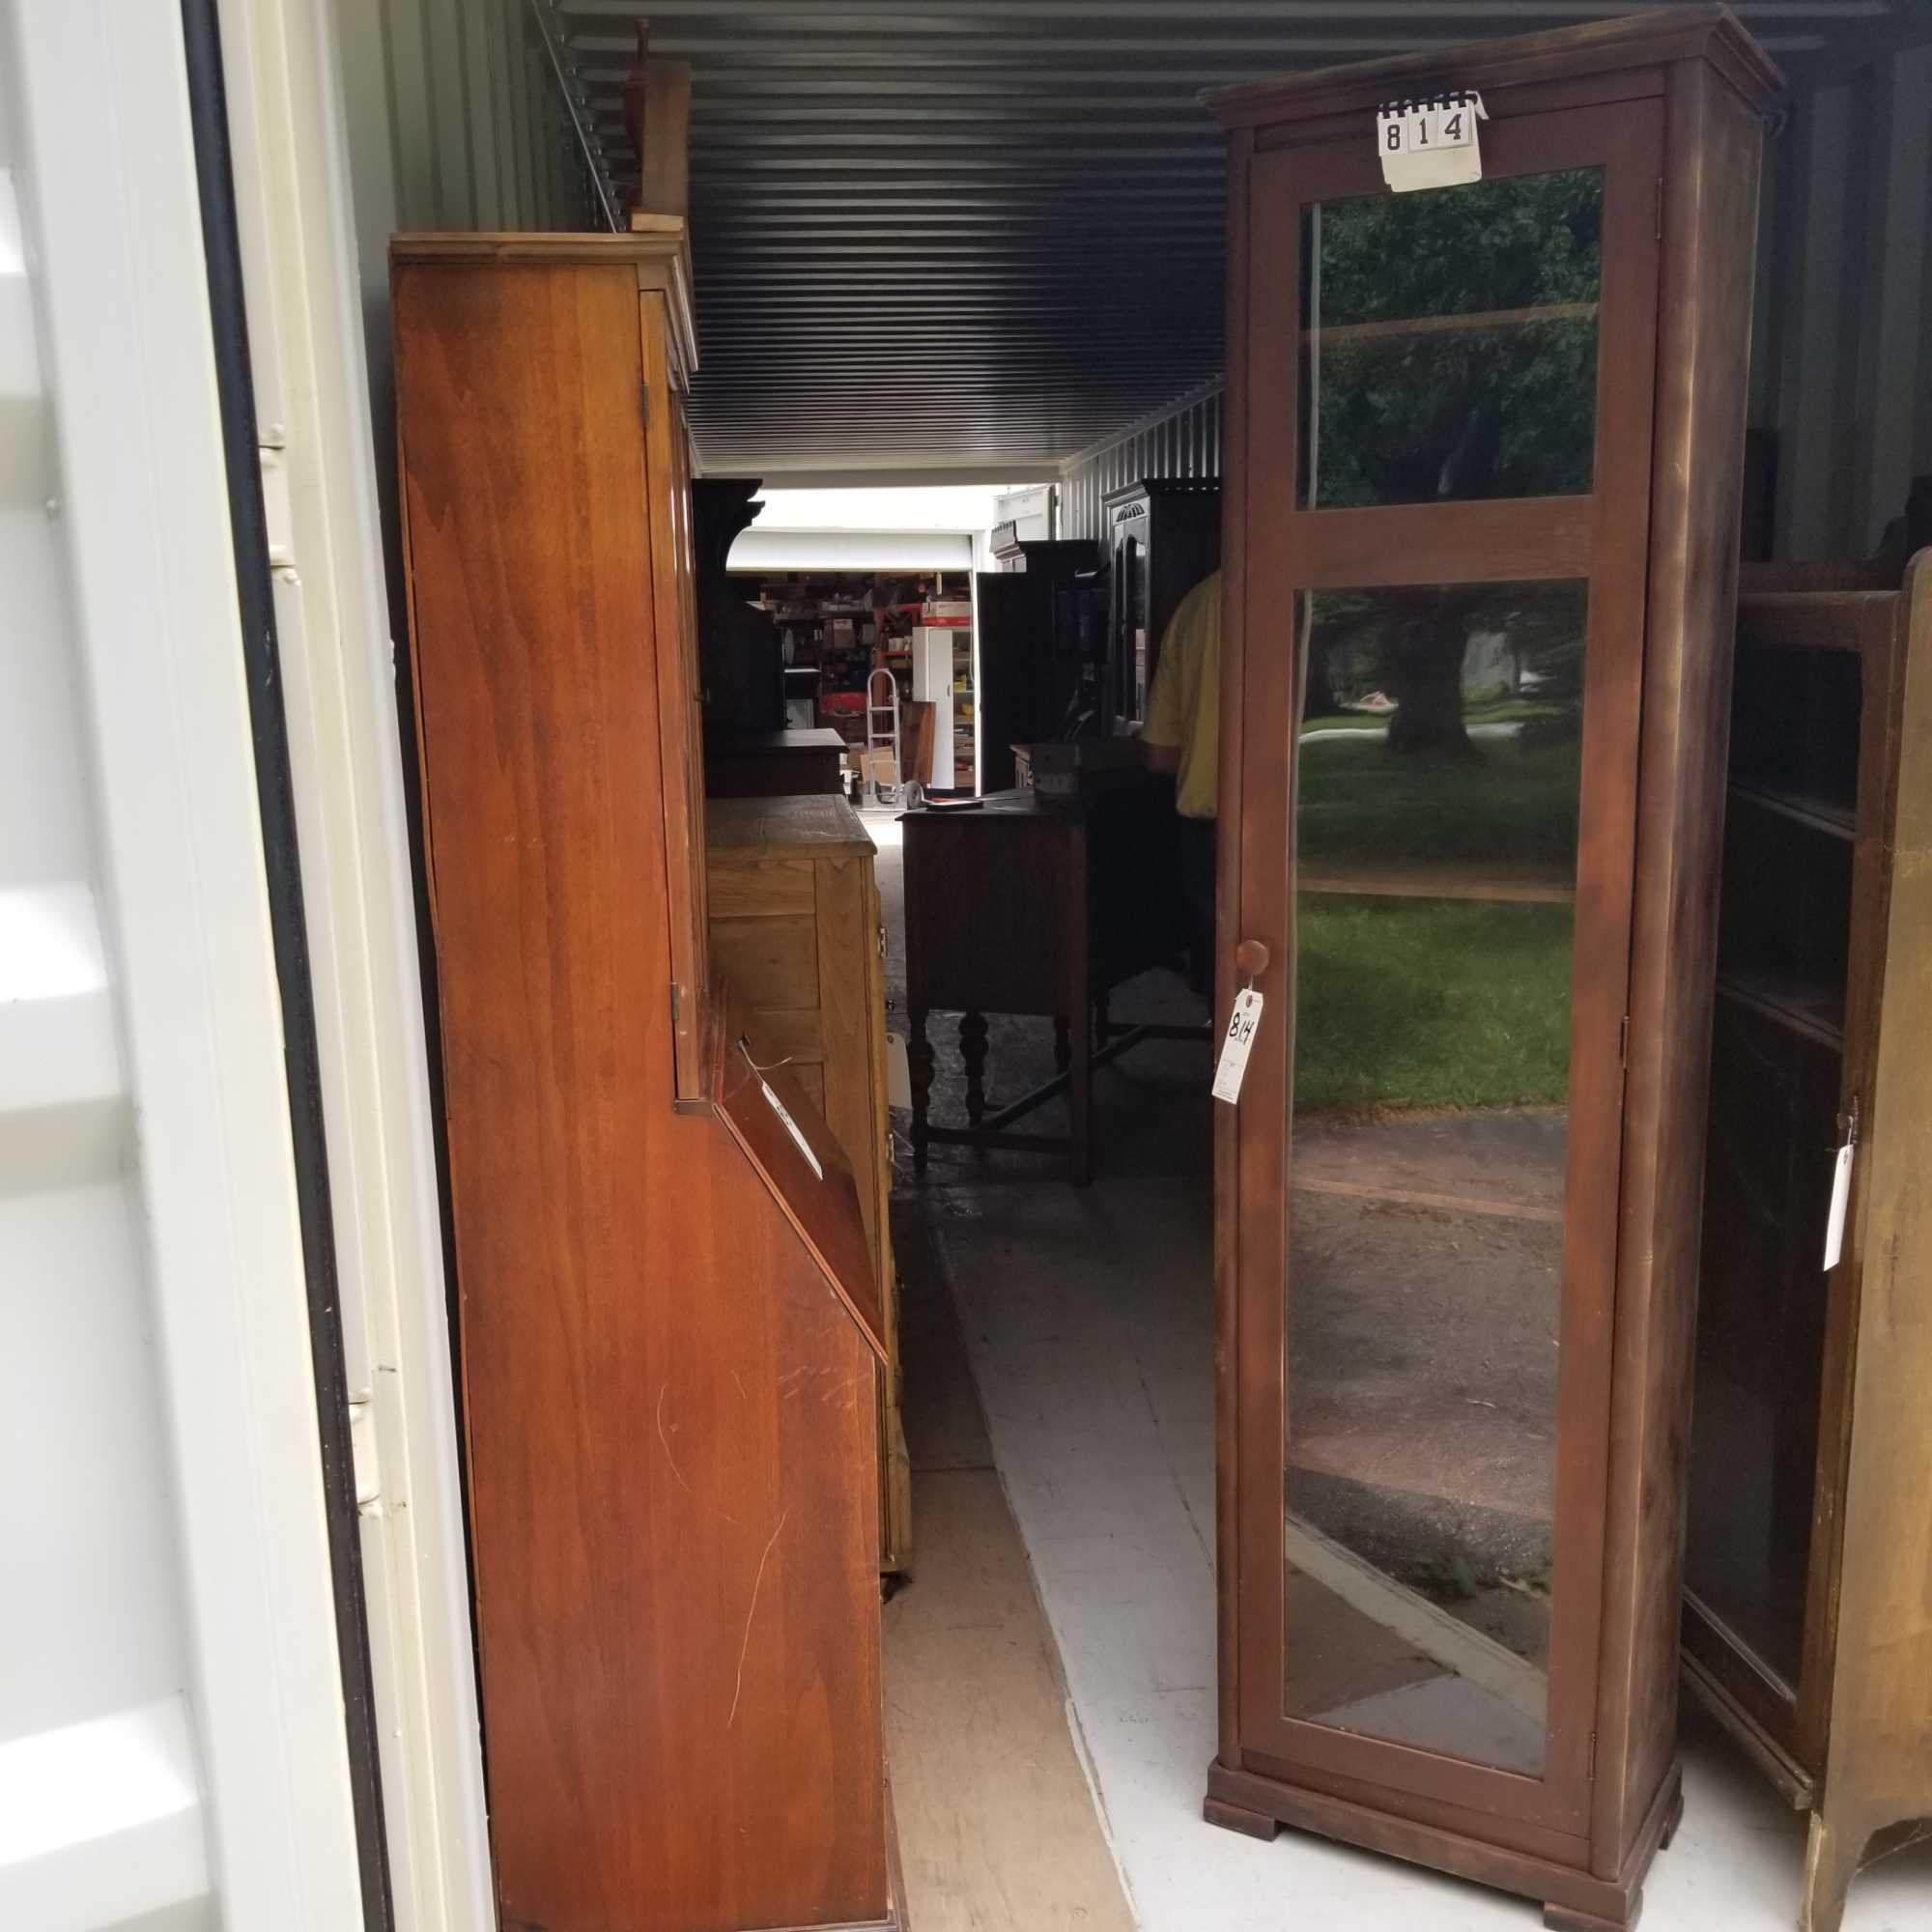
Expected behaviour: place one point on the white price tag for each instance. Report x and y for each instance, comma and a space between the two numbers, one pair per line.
1234, 1045
791, 1127
1430, 142
1841, 1199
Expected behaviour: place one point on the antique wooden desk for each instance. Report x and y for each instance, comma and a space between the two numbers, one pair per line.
1025, 905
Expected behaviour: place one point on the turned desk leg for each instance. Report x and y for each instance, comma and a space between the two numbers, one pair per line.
973, 1051
1062, 1044
1080, 1093
919, 1070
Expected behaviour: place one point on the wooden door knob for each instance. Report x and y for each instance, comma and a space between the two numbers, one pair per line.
1250, 957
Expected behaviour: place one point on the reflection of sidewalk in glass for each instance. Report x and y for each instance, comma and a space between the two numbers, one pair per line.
1423, 1366
1373, 1656
1371, 734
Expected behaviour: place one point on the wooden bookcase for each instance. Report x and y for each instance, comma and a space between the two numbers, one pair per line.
1485, 449
1810, 1454
669, 1315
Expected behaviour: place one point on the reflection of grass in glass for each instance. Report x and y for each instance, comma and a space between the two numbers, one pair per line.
1509, 804
1429, 1003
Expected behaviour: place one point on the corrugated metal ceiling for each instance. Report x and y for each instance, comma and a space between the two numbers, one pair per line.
988, 233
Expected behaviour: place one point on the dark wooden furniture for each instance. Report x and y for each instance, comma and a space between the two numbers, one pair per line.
1030, 664
797, 929
773, 764
1805, 1628
1163, 536
1022, 905
739, 662
669, 1315
1459, 1197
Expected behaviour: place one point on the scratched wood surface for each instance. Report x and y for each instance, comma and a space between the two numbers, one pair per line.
671, 1416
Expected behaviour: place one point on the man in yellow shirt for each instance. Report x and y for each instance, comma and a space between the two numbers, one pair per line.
1182, 735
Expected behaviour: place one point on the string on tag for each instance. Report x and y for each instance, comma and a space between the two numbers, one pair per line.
770, 1066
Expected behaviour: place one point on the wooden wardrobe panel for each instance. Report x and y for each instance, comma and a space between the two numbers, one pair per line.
666, 1328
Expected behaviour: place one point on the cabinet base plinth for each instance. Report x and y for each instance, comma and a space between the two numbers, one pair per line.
1238, 1818
1573, 1900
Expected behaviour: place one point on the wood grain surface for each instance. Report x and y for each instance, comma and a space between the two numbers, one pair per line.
670, 1413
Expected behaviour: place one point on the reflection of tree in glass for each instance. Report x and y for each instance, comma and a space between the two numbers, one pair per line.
1409, 415
1411, 643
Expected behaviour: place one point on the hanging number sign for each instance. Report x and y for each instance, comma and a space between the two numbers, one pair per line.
1430, 142
1841, 1191
1234, 1044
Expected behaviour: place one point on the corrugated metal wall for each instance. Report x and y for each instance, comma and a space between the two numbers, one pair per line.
1843, 368
456, 119
1842, 360
1185, 441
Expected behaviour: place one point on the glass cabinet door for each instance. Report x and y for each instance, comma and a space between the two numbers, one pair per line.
1443, 639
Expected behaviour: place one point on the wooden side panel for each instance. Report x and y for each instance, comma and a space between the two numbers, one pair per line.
1879, 1769
847, 1019
667, 509
1709, 218
743, 888
671, 1418
771, 963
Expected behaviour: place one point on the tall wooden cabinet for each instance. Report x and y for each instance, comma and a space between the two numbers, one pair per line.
1484, 458
1806, 1625
669, 1315
1163, 536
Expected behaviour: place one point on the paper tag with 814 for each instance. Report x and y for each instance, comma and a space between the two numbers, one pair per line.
1234, 1045
1430, 142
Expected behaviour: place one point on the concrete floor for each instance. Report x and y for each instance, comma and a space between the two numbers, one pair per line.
1085, 1316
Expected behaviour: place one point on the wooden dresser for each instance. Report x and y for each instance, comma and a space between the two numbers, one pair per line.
668, 1311
797, 931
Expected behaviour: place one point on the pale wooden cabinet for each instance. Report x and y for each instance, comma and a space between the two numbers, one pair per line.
1805, 1622
797, 929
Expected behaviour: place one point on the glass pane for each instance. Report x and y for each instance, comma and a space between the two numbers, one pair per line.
1449, 342
1436, 857
1776, 1068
